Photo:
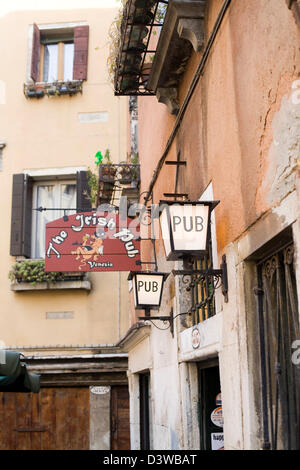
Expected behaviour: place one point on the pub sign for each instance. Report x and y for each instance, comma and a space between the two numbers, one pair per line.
92, 241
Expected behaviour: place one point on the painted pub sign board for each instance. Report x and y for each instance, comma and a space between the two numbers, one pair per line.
92, 241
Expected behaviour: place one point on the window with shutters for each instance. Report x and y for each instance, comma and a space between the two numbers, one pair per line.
53, 196
56, 195
58, 60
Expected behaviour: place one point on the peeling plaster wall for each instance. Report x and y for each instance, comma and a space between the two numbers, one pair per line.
244, 102
241, 132
284, 154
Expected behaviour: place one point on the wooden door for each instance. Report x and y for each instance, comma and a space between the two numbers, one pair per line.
54, 419
120, 430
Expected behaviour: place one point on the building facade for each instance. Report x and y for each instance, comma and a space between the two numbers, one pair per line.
57, 110
219, 120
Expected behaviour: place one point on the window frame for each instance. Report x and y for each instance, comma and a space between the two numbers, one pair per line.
78, 33
56, 183
22, 203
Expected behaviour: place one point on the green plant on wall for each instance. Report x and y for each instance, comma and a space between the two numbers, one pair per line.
93, 184
93, 176
114, 37
32, 271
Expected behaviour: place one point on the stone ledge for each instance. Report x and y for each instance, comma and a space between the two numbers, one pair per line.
26, 286
182, 32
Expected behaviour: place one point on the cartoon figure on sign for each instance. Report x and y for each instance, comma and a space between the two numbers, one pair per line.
90, 248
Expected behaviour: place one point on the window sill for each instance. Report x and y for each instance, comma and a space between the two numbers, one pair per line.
58, 88
78, 281
59, 285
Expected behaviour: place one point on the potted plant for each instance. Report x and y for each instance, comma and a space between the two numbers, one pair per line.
33, 272
143, 3
93, 184
107, 171
128, 82
125, 173
135, 36
130, 63
135, 170
146, 69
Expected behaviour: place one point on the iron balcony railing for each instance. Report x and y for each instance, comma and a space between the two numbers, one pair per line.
140, 28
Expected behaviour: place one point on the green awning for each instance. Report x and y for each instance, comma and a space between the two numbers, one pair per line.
14, 376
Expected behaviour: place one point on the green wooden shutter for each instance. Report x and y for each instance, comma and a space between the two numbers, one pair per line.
83, 190
21, 216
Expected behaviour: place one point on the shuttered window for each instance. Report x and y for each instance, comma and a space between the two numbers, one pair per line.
81, 43
22, 210
36, 52
83, 203
59, 55
21, 216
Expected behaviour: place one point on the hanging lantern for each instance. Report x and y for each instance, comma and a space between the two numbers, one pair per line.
184, 227
147, 289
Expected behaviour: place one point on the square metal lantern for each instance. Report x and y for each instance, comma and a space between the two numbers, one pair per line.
184, 227
147, 289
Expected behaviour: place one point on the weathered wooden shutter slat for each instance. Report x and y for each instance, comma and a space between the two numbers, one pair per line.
36, 51
21, 216
28, 190
16, 235
81, 44
83, 190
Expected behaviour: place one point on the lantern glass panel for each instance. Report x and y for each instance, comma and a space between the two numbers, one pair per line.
165, 230
184, 229
148, 289
189, 227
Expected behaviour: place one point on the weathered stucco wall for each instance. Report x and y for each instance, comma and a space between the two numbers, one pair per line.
47, 133
232, 132
241, 134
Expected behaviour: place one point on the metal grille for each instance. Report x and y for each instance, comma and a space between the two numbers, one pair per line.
279, 328
203, 303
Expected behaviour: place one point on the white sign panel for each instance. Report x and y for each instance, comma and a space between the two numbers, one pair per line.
184, 226
100, 390
217, 441
189, 226
147, 289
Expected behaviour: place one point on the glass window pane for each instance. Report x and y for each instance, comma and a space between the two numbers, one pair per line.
51, 196
45, 198
68, 61
50, 62
68, 198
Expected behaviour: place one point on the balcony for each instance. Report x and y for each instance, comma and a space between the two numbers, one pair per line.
140, 27
117, 180
156, 46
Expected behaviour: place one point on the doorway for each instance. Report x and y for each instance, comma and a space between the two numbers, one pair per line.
120, 429
278, 329
210, 408
145, 410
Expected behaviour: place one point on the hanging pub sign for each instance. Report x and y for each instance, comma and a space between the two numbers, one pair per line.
184, 227
92, 241
147, 288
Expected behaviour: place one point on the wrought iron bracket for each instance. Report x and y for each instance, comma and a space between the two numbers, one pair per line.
162, 318
218, 277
